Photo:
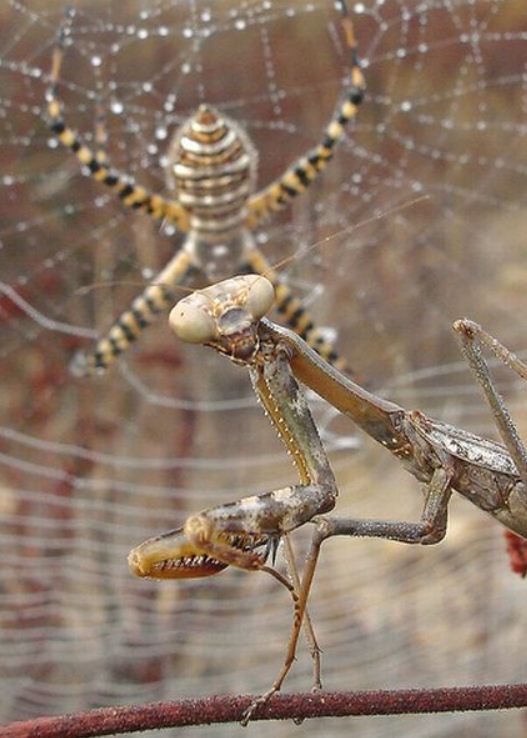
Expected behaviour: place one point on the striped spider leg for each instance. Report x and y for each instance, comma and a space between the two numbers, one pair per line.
212, 168
243, 533
445, 459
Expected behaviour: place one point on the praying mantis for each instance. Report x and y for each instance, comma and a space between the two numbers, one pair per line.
230, 317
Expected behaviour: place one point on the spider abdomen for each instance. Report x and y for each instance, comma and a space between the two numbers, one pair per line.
212, 167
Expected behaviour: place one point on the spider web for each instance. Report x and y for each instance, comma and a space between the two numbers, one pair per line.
420, 219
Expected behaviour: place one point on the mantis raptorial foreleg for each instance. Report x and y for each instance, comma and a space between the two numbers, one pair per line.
240, 534
229, 317
243, 533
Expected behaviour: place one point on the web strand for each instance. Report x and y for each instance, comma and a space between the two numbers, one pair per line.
421, 220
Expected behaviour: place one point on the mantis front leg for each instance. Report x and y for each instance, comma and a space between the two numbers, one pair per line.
244, 533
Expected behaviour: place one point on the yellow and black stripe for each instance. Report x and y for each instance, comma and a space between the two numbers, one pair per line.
131, 195
158, 297
300, 175
212, 167
295, 314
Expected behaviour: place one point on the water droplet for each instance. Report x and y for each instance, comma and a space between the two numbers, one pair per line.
116, 107
96, 61
161, 133
142, 33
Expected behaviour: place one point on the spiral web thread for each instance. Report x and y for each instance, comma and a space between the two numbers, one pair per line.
91, 468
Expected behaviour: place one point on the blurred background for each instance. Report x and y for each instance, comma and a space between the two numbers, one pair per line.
419, 220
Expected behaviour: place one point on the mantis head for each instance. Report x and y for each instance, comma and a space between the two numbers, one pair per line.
225, 315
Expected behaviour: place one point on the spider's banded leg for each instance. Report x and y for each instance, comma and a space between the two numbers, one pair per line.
131, 195
471, 337
295, 314
297, 178
158, 296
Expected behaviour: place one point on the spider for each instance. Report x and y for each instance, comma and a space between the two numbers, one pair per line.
212, 173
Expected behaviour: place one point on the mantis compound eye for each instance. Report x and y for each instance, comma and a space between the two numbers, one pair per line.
260, 297
191, 322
